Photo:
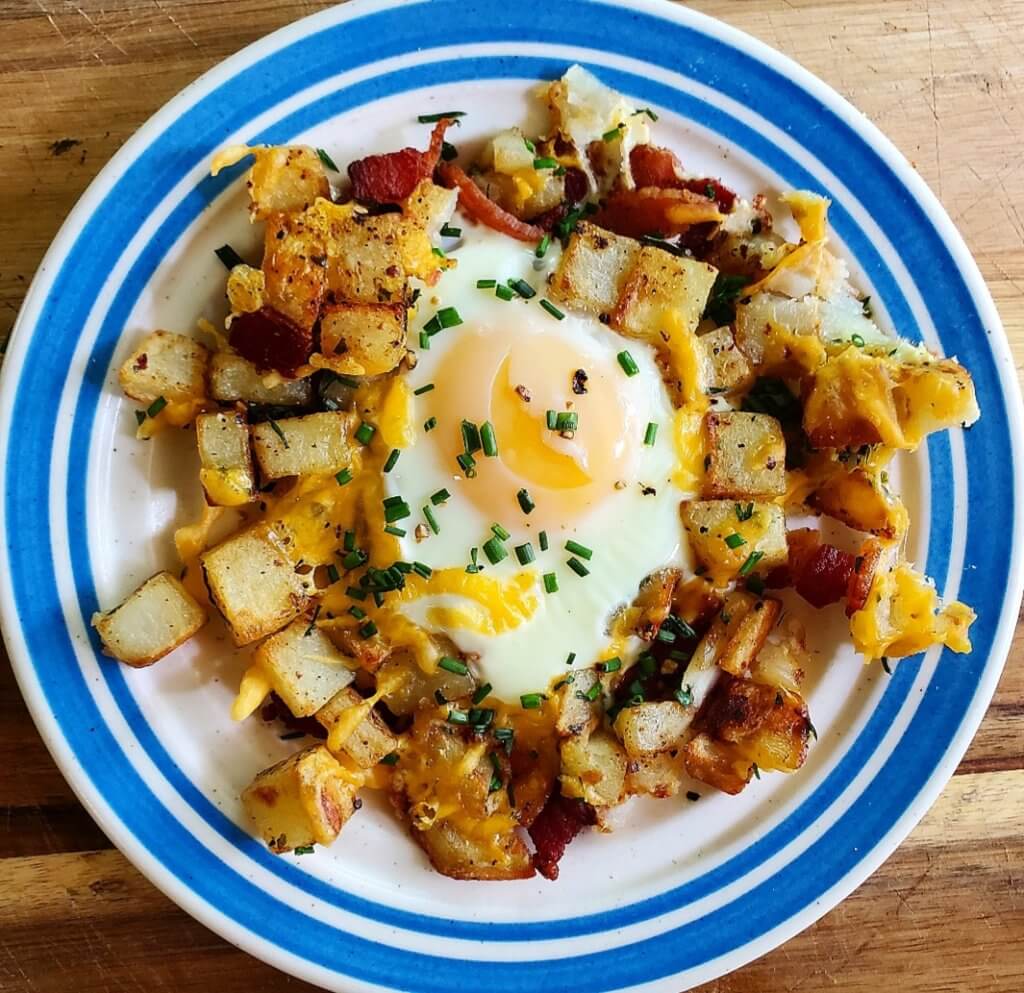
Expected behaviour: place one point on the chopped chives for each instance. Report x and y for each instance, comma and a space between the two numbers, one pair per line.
397, 532
628, 363
542, 248
524, 553
685, 695
470, 438
275, 427
486, 284
527, 505
651, 433
368, 630
744, 513
530, 146
430, 423
423, 389
449, 317
592, 694
425, 341
545, 162
447, 231
453, 665
735, 540
332, 573
571, 658
523, 288
473, 567
451, 115
488, 439
396, 512
431, 519
503, 292
550, 582
578, 567
402, 567
357, 612
613, 134
228, 256
343, 477
390, 759
752, 559
327, 160
433, 326
531, 701
365, 433
481, 693
567, 420
348, 542
666, 635
610, 665
543, 539
439, 497
422, 570
457, 716
552, 309
857, 340
552, 419
647, 110
140, 417
448, 151
391, 460
577, 549
494, 550
355, 593
647, 664
500, 532
467, 464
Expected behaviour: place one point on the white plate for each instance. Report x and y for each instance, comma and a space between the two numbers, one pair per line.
685, 892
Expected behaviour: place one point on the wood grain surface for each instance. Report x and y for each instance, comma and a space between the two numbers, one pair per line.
944, 79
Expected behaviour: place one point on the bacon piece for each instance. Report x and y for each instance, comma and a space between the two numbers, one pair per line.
270, 341
475, 202
556, 825
652, 165
392, 177
819, 572
635, 213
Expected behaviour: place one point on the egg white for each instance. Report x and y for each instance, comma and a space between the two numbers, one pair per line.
631, 530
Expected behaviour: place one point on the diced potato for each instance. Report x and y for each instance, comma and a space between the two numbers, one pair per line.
711, 524
302, 801
780, 742
726, 369
459, 856
649, 728
660, 775
659, 284
314, 444
746, 456
294, 261
361, 339
783, 657
418, 687
368, 653
738, 708
748, 635
225, 458
859, 500
654, 601
369, 740
578, 715
592, 271
285, 178
524, 195
783, 337
233, 378
253, 582
430, 207
717, 764
165, 365
594, 769
154, 620
304, 668
934, 396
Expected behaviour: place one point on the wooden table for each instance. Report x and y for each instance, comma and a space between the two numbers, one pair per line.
944, 79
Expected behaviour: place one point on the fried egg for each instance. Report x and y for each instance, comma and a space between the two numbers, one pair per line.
602, 484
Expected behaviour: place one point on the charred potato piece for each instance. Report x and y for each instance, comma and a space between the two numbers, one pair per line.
459, 856
746, 456
369, 740
233, 378
294, 260
165, 365
593, 269
361, 339
302, 801
718, 764
158, 617
299, 446
225, 459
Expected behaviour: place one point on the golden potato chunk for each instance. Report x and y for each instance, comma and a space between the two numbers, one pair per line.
461, 856
662, 775
577, 713
727, 536
659, 284
746, 456
225, 459
718, 764
285, 178
594, 769
649, 728
158, 617
858, 499
726, 369
165, 365
361, 339
299, 446
304, 800
233, 378
369, 739
294, 268
592, 270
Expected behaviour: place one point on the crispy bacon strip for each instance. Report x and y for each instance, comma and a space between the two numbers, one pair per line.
668, 212
475, 202
391, 178
652, 165
270, 341
556, 825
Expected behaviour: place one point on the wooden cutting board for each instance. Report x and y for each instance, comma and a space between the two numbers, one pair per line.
944, 79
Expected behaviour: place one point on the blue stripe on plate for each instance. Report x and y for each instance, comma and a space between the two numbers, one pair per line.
379, 35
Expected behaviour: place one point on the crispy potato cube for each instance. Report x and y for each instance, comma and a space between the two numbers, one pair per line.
578, 715
233, 378
592, 271
783, 657
285, 178
294, 260
253, 582
302, 801
304, 668
738, 708
225, 459
748, 635
165, 365
746, 456
361, 339
660, 283
316, 443
660, 775
430, 207
370, 740
154, 620
417, 687
711, 524
500, 857
932, 397
717, 764
726, 369
860, 501
649, 728
654, 601
769, 727
594, 769
367, 254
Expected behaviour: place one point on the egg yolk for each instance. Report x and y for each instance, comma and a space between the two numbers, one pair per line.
513, 382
